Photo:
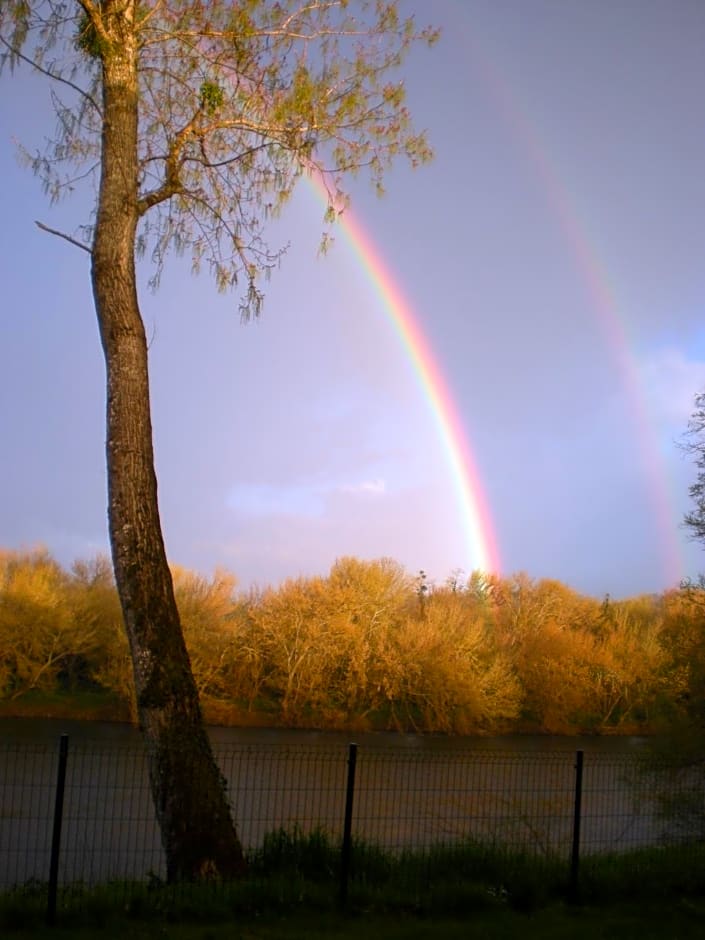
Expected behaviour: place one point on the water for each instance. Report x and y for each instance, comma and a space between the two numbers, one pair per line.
46, 730
412, 791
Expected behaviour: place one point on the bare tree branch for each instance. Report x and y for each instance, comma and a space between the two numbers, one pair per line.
68, 238
52, 75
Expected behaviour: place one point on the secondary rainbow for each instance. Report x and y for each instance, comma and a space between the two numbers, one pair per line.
474, 512
597, 281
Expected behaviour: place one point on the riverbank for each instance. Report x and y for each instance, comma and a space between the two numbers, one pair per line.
101, 706
86, 706
107, 707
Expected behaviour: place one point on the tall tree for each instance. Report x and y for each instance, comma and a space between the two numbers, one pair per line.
197, 118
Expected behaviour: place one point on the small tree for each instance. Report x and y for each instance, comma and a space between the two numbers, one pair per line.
694, 443
197, 118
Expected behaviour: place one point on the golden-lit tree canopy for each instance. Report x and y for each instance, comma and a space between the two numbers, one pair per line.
355, 649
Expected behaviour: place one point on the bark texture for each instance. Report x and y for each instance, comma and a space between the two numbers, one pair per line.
198, 835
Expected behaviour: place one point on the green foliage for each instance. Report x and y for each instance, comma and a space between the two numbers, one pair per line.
235, 103
649, 873
312, 855
87, 39
212, 97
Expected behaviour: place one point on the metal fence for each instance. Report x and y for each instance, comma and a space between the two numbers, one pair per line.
549, 805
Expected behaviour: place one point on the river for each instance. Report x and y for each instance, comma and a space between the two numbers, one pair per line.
411, 791
43, 730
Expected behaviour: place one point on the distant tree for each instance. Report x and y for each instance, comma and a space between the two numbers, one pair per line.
196, 120
49, 639
95, 608
684, 615
205, 609
367, 606
37, 638
452, 677
294, 636
694, 443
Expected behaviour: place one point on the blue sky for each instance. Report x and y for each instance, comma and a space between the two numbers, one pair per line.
289, 442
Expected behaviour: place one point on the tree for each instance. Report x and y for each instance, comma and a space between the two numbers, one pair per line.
39, 637
95, 606
684, 637
205, 607
197, 119
694, 443
367, 602
453, 676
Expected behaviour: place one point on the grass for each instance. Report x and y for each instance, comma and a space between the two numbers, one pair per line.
679, 919
292, 890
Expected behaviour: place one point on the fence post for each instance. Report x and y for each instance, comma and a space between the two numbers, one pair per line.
56, 832
575, 854
347, 827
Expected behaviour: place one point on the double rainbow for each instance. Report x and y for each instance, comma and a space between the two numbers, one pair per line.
474, 512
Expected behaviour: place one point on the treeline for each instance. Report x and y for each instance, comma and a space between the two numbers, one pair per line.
369, 646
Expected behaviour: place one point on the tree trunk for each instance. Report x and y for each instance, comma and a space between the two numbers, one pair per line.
198, 835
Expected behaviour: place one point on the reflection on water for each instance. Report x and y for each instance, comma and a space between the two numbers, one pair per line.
41, 730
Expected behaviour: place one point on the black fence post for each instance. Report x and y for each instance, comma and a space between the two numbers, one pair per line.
575, 853
347, 827
56, 832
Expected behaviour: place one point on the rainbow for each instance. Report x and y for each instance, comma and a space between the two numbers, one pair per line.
475, 517
598, 284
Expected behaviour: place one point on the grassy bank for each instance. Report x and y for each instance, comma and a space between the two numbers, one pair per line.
292, 889
679, 919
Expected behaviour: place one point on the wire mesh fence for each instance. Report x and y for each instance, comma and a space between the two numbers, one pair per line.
403, 803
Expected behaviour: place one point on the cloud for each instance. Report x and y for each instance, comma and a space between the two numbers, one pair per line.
670, 381
307, 500
367, 488
416, 526
263, 499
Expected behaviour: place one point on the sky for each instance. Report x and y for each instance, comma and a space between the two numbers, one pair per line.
550, 263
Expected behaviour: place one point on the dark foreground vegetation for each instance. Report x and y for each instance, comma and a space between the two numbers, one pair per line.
680, 919
290, 891
367, 647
